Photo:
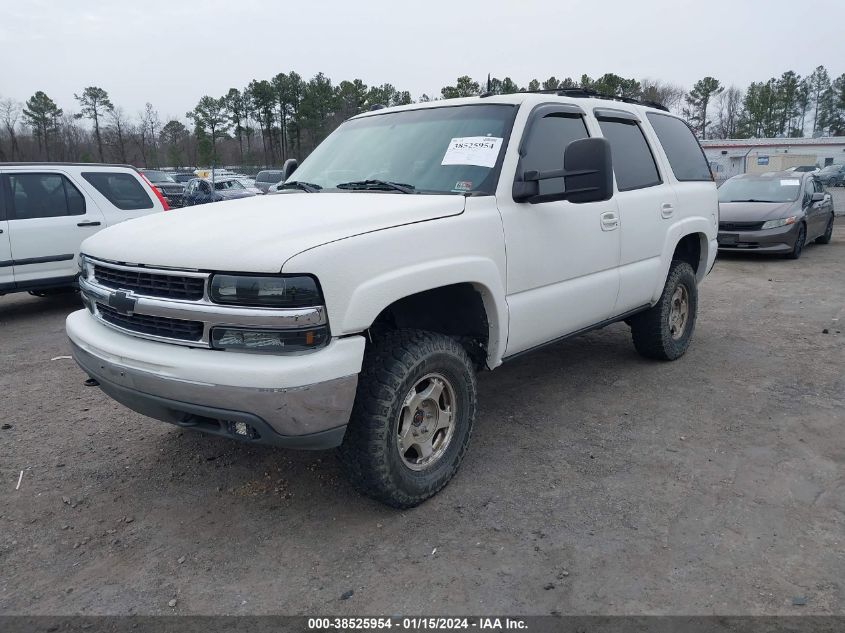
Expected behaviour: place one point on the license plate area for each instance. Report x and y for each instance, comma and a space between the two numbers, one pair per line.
726, 239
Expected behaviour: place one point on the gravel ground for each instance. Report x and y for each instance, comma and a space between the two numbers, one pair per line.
596, 481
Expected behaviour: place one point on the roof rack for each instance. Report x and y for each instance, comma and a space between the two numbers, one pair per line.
586, 93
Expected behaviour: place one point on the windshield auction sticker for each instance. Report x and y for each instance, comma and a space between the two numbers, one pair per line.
473, 150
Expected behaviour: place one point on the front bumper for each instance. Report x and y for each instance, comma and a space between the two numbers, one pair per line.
779, 240
298, 401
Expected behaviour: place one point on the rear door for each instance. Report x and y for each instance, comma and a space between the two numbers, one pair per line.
120, 193
7, 277
645, 203
48, 218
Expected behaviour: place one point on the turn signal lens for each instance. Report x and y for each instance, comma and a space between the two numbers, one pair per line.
272, 341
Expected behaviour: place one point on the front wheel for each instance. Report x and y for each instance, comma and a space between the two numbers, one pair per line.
412, 417
664, 331
828, 233
798, 247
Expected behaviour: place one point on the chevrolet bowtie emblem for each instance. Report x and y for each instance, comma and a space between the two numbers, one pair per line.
122, 302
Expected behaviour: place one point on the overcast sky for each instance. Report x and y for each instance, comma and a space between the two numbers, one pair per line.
172, 52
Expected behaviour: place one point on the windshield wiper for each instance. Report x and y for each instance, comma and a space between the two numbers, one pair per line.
377, 184
308, 187
752, 200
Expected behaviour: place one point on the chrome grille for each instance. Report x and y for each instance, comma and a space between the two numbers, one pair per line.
151, 284
153, 325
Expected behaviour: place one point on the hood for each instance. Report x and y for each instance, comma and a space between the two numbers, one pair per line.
234, 194
757, 211
260, 233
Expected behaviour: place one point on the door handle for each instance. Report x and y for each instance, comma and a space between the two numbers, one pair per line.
667, 210
88, 224
609, 221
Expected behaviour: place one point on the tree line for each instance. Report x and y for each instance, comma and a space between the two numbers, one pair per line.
270, 120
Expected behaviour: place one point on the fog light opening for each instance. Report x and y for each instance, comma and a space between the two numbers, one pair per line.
242, 430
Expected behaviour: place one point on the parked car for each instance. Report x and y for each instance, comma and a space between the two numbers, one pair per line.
774, 213
354, 308
832, 175
266, 178
183, 177
47, 210
249, 184
804, 168
202, 191
165, 183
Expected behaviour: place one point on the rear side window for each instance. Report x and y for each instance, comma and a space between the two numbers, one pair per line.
43, 196
633, 162
121, 189
547, 140
269, 176
683, 151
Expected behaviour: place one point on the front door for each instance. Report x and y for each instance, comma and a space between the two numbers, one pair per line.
562, 257
48, 220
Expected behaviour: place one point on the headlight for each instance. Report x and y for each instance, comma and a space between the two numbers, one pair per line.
272, 341
85, 267
773, 224
266, 291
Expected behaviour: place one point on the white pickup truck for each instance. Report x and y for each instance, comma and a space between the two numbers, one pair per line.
414, 247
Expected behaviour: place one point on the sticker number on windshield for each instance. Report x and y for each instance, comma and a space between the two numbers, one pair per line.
473, 150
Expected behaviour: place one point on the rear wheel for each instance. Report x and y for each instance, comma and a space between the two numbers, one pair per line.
412, 418
798, 247
665, 330
828, 233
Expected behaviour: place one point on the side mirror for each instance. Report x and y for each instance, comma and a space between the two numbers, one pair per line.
587, 175
288, 168
817, 197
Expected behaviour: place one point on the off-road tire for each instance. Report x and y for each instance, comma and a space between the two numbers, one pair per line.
392, 365
651, 329
825, 237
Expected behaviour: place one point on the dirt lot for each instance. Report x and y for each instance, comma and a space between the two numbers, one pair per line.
596, 481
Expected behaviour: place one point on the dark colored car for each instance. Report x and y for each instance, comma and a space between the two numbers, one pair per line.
832, 176
266, 178
168, 187
777, 212
201, 191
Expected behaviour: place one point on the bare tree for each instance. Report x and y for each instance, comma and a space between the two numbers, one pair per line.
10, 113
663, 92
117, 134
151, 121
728, 112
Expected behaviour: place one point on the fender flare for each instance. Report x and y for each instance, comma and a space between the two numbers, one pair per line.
674, 235
373, 295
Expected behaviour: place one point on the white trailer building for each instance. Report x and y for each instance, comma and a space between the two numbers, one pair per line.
729, 157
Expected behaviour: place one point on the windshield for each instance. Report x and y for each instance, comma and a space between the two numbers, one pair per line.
453, 149
220, 185
760, 190
158, 176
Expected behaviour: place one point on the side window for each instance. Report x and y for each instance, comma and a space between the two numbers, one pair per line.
547, 140
633, 162
682, 149
43, 196
121, 189
204, 187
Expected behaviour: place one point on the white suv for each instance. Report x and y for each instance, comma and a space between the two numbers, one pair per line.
47, 210
414, 247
